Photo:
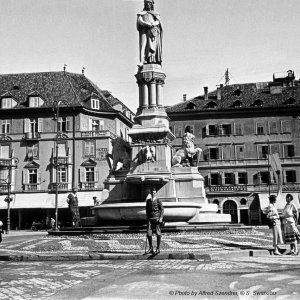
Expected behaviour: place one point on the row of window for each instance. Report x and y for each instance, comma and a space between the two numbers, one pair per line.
257, 103
262, 177
32, 151
33, 125
32, 178
36, 101
270, 127
225, 152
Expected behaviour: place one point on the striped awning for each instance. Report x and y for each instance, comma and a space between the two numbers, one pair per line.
280, 203
45, 200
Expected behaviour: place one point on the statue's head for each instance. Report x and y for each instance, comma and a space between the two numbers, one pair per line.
148, 5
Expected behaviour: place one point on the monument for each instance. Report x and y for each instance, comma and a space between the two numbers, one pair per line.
148, 161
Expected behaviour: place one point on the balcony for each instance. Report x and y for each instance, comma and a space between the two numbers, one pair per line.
88, 185
227, 188
32, 136
3, 187
62, 160
253, 188
249, 162
62, 186
32, 187
5, 162
100, 133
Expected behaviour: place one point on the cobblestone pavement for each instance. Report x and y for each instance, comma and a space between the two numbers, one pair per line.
118, 280
135, 243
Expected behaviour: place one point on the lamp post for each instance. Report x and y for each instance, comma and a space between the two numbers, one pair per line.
8, 198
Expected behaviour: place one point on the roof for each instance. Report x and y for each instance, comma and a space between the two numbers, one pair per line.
114, 101
241, 96
71, 88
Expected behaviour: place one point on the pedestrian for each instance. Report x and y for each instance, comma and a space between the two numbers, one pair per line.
73, 206
274, 220
1, 230
290, 219
155, 214
52, 223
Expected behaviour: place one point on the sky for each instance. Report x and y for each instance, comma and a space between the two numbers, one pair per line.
202, 38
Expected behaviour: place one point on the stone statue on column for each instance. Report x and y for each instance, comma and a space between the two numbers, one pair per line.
150, 35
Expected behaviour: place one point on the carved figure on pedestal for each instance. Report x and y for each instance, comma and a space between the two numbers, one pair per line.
149, 153
150, 35
119, 158
188, 150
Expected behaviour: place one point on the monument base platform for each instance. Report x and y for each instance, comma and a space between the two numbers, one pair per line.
209, 218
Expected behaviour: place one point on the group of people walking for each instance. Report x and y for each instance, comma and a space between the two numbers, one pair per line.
286, 224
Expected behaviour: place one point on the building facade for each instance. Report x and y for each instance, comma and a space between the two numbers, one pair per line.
237, 126
56, 131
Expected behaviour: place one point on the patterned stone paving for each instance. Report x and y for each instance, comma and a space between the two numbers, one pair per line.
39, 280
136, 243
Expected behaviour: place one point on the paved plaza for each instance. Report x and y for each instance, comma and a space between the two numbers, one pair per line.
93, 246
240, 278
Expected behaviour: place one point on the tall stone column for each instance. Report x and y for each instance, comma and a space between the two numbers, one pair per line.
144, 94
159, 94
140, 95
152, 94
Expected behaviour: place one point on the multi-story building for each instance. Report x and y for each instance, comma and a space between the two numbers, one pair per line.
237, 126
56, 129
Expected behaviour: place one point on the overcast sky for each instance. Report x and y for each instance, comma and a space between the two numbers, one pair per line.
202, 38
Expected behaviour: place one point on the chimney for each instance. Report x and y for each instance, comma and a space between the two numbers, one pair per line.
205, 93
184, 97
219, 94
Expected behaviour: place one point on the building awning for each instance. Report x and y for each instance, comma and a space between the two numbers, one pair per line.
280, 203
45, 200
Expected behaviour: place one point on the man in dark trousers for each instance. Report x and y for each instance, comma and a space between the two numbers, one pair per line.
155, 214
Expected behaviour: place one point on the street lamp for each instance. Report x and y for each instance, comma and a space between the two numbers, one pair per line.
8, 198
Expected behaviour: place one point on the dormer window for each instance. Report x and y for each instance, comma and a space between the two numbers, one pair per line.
95, 104
238, 92
190, 105
237, 103
35, 101
258, 102
289, 101
6, 103
211, 104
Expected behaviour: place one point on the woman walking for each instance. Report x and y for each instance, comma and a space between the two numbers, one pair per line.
290, 219
273, 216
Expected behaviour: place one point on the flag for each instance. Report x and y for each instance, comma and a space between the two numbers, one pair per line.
275, 164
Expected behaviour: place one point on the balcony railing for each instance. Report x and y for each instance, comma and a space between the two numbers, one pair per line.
62, 160
88, 185
100, 133
3, 187
32, 135
62, 186
244, 162
31, 187
5, 162
261, 188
